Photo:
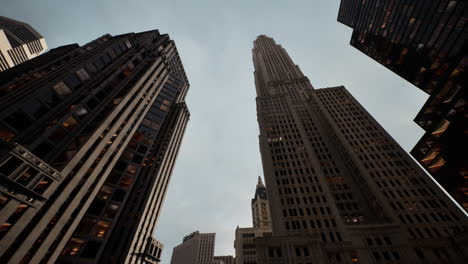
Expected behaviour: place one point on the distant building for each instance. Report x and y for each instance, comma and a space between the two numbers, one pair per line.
196, 248
19, 42
223, 260
89, 137
424, 42
261, 219
340, 189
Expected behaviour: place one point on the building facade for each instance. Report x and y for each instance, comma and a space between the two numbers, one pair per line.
425, 43
19, 42
89, 138
224, 260
196, 248
340, 189
261, 219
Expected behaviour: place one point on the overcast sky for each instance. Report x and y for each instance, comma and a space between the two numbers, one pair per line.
219, 162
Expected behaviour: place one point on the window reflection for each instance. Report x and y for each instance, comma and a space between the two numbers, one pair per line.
62, 89
126, 182
101, 228
70, 123
73, 247
27, 176
42, 185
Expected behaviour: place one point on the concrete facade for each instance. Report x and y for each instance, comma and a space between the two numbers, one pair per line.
19, 42
88, 142
425, 43
196, 248
340, 189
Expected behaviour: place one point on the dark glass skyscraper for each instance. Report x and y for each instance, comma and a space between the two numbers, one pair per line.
425, 42
89, 137
340, 189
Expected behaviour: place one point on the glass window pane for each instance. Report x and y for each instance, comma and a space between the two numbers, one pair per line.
62, 89
10, 165
6, 134
83, 74
27, 176
70, 123
42, 185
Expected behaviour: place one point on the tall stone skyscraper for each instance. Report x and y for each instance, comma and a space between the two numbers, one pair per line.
88, 141
19, 42
340, 189
424, 42
261, 220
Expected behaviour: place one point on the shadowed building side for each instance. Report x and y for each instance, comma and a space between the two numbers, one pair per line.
340, 189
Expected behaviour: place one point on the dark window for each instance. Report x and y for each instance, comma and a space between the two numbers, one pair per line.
57, 135
298, 252
35, 108
86, 225
92, 103
42, 185
118, 196
96, 207
72, 81
43, 149
91, 249
27, 176
6, 134
111, 211
50, 98
113, 177
18, 120
11, 165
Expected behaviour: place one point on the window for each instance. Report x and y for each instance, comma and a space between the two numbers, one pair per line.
72, 81
111, 211
105, 192
10, 165
27, 176
96, 207
73, 247
126, 182
62, 89
80, 112
43, 149
118, 196
6, 134
50, 98
101, 228
18, 120
91, 249
35, 108
57, 135
83, 75
86, 225
42, 185
70, 123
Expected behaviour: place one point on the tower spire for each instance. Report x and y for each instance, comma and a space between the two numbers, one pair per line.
260, 183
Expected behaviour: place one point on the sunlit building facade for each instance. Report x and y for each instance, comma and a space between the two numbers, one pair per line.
340, 189
19, 42
88, 140
424, 42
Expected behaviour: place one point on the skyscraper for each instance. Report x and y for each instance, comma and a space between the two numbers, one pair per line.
340, 189
196, 248
424, 42
89, 136
261, 220
19, 42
